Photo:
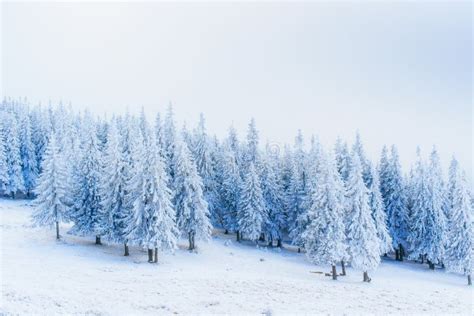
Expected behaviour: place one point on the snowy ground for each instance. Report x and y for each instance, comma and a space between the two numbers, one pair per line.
42, 276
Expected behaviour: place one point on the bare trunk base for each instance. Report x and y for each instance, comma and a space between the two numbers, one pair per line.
126, 253
431, 265
299, 249
57, 231
226, 231
469, 281
343, 266
150, 255
97, 240
238, 236
334, 273
401, 251
279, 243
366, 277
156, 256
397, 255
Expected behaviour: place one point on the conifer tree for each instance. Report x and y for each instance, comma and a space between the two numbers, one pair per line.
113, 189
366, 165
363, 243
460, 231
378, 214
15, 182
342, 159
28, 156
191, 207
252, 214
3, 162
86, 212
324, 237
50, 191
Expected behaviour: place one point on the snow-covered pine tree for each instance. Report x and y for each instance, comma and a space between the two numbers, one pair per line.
394, 196
152, 223
192, 211
169, 142
252, 214
274, 203
419, 208
15, 182
379, 215
50, 190
459, 255
3, 162
358, 147
435, 221
86, 212
229, 188
363, 243
204, 158
324, 237
159, 134
342, 158
252, 154
113, 189
28, 156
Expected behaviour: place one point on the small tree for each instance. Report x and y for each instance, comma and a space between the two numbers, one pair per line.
459, 254
364, 245
252, 213
378, 214
51, 204
191, 207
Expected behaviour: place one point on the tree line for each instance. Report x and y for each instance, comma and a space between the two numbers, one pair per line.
126, 181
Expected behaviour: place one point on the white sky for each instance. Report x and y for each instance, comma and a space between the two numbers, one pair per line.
399, 72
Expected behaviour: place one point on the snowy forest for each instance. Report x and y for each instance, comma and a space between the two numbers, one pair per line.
130, 181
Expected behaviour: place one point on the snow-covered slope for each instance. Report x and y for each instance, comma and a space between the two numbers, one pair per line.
43, 276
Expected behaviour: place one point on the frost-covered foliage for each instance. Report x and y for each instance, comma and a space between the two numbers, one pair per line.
324, 237
363, 242
191, 207
132, 183
51, 204
252, 214
459, 255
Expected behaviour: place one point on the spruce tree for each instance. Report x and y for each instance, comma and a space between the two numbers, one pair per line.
50, 191
86, 212
191, 207
363, 243
15, 182
28, 156
252, 214
459, 255
342, 158
3, 163
378, 214
324, 237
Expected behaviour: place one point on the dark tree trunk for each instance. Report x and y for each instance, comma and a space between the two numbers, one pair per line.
366, 277
150, 255
343, 266
422, 259
191, 241
431, 265
469, 281
238, 236
13, 195
299, 249
334, 273
156, 255
397, 255
226, 231
126, 253
57, 230
402, 252
270, 243
97, 240
385, 255
279, 243
262, 237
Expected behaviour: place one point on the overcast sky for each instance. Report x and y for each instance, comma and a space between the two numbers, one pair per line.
398, 72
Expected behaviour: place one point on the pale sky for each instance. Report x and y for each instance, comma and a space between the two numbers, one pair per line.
397, 72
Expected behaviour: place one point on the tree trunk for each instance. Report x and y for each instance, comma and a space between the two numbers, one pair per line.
226, 231
397, 255
262, 237
366, 277
156, 255
270, 243
334, 273
238, 236
343, 266
422, 259
279, 243
150, 255
469, 281
126, 249
299, 249
402, 252
97, 240
431, 265
57, 230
